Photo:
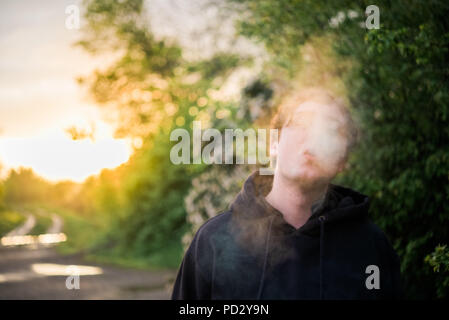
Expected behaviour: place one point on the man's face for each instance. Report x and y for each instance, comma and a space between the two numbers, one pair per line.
312, 146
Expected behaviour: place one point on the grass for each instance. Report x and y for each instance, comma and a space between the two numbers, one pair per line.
167, 258
86, 234
43, 222
10, 219
82, 232
43, 218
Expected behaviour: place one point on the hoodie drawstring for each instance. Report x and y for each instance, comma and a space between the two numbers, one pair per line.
262, 278
322, 220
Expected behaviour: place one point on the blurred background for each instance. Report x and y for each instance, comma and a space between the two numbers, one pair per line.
91, 90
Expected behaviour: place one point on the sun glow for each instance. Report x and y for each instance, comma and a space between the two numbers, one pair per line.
57, 157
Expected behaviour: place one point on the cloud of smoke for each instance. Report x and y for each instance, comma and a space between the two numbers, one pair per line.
325, 138
326, 128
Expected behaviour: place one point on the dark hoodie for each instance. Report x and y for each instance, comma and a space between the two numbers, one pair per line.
251, 252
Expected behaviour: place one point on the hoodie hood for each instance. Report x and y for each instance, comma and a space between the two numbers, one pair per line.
262, 230
339, 204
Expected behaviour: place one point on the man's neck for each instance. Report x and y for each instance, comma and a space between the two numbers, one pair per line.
292, 201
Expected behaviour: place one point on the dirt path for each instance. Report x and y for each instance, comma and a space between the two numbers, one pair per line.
38, 271
56, 224
25, 228
24, 275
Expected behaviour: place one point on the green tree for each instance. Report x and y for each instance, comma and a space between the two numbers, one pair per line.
397, 83
23, 186
439, 261
2, 191
154, 90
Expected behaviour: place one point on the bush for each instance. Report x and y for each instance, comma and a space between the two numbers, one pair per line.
9, 220
439, 261
396, 81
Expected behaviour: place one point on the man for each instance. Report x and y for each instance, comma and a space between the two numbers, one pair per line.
295, 235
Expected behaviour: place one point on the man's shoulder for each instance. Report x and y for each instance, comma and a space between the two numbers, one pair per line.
215, 226
374, 230
380, 238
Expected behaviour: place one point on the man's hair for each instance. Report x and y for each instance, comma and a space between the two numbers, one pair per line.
289, 105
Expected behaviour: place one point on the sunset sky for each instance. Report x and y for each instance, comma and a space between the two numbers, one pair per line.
39, 97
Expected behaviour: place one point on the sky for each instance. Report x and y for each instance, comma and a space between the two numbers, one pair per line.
39, 95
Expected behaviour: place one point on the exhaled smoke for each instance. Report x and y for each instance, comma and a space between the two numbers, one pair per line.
323, 126
325, 141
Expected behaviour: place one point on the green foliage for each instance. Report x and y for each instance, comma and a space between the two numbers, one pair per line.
213, 190
134, 84
217, 66
83, 233
9, 220
2, 193
155, 190
439, 261
2, 190
135, 214
23, 186
43, 222
397, 86
154, 91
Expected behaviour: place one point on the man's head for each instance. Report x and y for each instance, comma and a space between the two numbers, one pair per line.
316, 134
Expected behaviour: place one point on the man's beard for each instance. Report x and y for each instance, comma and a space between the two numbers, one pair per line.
308, 184
311, 183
